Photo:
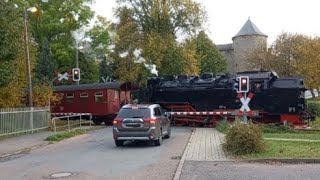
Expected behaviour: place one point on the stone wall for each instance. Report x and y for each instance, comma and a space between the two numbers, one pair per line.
243, 46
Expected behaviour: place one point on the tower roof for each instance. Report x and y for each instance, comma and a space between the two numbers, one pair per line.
249, 29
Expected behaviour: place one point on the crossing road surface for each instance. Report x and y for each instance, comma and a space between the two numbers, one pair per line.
94, 156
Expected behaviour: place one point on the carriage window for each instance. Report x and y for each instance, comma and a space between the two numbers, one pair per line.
70, 97
99, 97
116, 94
84, 97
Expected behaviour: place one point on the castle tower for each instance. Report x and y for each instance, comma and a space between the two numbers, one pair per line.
248, 39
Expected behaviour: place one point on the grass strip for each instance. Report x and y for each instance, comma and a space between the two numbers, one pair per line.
287, 149
62, 136
311, 136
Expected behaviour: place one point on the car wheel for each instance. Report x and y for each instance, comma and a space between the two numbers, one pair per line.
167, 136
159, 140
118, 142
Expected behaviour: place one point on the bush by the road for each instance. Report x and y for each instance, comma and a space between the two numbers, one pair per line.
223, 126
244, 139
313, 107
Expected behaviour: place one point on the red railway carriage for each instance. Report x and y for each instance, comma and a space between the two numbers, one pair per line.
102, 100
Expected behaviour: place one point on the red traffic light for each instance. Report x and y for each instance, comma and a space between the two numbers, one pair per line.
76, 74
244, 86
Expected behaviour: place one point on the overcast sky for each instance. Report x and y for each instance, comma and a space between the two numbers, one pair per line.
226, 17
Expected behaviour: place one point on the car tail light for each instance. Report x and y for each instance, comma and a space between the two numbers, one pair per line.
117, 121
150, 120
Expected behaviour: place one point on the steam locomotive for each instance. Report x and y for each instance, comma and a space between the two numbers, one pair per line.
276, 99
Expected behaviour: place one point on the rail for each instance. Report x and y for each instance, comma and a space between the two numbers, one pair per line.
80, 115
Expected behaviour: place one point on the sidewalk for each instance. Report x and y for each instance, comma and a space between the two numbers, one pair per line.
15, 144
205, 145
18, 144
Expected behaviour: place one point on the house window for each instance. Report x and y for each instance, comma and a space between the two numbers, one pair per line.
84, 97
98, 97
70, 97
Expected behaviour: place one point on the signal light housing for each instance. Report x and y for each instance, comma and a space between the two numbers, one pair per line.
244, 84
76, 74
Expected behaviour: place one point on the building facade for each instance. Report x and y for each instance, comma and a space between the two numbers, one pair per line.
247, 40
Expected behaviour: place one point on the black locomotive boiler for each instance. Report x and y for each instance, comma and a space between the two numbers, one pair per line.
276, 99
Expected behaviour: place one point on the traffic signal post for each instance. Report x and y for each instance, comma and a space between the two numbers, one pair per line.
242, 86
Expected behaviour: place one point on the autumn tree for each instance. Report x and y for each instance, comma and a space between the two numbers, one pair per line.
280, 57
308, 61
126, 62
160, 23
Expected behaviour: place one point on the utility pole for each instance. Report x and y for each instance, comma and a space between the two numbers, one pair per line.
27, 57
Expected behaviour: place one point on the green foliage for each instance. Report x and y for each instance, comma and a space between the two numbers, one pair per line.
211, 60
272, 128
313, 106
11, 34
244, 139
223, 126
51, 28
89, 70
62, 136
45, 65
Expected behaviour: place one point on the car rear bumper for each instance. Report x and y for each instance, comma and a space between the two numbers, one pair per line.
151, 134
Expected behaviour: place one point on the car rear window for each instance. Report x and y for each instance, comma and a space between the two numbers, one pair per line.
134, 113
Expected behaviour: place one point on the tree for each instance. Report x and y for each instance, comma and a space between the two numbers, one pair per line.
100, 45
210, 57
51, 27
11, 43
126, 62
160, 23
280, 57
166, 16
308, 61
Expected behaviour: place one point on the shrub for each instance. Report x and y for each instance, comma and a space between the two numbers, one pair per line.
244, 139
313, 106
223, 126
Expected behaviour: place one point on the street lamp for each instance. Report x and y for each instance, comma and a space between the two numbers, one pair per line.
26, 50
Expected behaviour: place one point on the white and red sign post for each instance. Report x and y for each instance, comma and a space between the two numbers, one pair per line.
244, 87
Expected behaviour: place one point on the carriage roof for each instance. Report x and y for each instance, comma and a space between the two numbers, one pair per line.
118, 85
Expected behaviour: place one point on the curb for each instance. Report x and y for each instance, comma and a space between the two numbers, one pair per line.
283, 160
177, 174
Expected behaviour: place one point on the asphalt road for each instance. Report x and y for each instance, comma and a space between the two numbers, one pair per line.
193, 170
94, 156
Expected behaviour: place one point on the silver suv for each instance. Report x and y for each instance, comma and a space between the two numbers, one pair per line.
141, 122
